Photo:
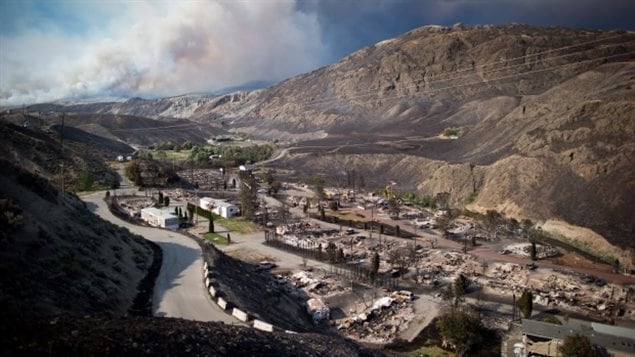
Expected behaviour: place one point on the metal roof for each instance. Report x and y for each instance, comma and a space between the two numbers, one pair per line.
622, 340
159, 212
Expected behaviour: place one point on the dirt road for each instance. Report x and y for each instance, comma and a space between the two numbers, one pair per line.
179, 290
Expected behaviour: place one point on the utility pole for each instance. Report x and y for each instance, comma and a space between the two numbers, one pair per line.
372, 218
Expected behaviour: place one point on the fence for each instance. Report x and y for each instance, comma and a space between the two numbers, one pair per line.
355, 272
377, 227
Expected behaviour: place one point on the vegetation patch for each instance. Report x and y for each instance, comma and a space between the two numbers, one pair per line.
238, 224
215, 238
453, 132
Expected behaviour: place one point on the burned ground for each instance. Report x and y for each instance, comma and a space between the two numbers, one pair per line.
148, 336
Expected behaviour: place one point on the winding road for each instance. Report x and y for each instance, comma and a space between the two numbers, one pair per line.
179, 290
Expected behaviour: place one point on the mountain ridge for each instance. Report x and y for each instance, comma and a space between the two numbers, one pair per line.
543, 117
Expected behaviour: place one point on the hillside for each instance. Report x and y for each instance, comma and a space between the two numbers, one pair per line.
57, 257
543, 117
541, 121
147, 336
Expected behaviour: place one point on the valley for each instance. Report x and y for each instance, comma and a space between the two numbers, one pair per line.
476, 173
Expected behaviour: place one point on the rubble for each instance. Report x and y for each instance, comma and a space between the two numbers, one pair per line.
318, 309
524, 250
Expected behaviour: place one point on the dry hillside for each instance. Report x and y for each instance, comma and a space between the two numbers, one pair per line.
541, 118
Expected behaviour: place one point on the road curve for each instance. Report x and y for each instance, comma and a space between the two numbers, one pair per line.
179, 290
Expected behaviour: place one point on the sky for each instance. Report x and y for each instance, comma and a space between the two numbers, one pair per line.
76, 49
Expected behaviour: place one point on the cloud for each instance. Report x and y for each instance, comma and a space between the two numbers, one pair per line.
160, 48
67, 48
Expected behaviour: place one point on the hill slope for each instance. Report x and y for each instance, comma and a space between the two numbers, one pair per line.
543, 118
57, 257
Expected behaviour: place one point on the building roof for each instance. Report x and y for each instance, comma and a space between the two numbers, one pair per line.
609, 337
217, 202
159, 212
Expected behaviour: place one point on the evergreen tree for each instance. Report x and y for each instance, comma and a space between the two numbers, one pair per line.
462, 329
374, 266
211, 224
166, 201
247, 195
229, 239
525, 303
532, 251
577, 346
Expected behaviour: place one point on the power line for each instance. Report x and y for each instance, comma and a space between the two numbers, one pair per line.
472, 68
424, 82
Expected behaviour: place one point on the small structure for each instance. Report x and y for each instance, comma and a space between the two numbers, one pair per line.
219, 207
160, 218
544, 339
120, 158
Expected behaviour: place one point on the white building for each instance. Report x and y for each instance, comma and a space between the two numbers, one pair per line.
160, 218
219, 207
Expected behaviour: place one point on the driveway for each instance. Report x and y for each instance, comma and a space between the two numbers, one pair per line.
179, 290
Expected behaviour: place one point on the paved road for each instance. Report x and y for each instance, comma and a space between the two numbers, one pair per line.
179, 290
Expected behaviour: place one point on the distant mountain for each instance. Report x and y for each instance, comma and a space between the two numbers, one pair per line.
539, 121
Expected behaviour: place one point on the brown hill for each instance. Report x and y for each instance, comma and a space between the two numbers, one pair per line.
543, 118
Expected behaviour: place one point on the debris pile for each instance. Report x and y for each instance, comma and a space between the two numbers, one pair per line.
524, 250
132, 205
381, 322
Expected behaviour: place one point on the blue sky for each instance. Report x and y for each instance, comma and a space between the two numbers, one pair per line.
82, 48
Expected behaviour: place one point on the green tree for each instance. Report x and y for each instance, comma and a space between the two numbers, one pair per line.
247, 195
85, 180
577, 346
491, 220
525, 303
393, 208
187, 145
133, 172
460, 285
374, 266
211, 224
361, 183
229, 238
532, 251
331, 251
462, 329
160, 197
190, 210
318, 187
268, 177
166, 201
276, 186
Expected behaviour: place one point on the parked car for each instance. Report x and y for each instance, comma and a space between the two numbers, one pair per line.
350, 231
